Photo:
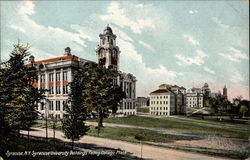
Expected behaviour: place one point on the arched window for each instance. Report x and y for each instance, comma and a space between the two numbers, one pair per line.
101, 53
114, 55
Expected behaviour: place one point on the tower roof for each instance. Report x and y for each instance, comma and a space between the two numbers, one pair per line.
108, 30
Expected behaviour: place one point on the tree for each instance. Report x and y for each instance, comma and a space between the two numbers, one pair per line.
18, 95
76, 109
102, 93
243, 110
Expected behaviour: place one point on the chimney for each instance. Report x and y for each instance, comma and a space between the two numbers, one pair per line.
31, 59
67, 51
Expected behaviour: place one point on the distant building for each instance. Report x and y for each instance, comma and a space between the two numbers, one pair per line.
194, 98
162, 102
142, 102
215, 94
225, 92
180, 106
168, 100
206, 90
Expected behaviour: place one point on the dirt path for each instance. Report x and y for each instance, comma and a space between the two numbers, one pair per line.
148, 151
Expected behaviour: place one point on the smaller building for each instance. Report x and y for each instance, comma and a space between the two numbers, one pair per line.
142, 102
162, 102
194, 98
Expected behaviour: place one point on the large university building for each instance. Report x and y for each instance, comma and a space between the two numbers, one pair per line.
55, 74
168, 100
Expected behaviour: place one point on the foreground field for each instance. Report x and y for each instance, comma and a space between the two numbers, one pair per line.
132, 150
202, 136
192, 126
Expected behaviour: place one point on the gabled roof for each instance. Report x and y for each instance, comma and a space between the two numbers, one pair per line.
160, 91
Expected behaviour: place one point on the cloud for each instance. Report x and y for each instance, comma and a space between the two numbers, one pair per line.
236, 77
144, 44
118, 15
148, 78
18, 28
197, 59
234, 55
191, 40
209, 70
48, 36
192, 11
219, 23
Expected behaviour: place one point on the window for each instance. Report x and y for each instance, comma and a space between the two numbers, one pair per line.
51, 90
65, 89
42, 106
64, 103
65, 77
51, 105
42, 78
58, 90
57, 105
58, 116
166, 102
51, 77
58, 76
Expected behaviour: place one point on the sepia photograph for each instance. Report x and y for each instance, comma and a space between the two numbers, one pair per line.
124, 80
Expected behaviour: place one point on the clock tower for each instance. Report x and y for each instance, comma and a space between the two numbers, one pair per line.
107, 53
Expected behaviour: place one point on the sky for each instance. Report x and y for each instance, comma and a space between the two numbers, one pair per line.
186, 43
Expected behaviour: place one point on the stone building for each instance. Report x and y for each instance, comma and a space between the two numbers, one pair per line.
55, 74
162, 102
168, 100
142, 102
194, 98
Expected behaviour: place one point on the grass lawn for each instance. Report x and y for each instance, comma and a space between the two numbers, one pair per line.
136, 135
186, 124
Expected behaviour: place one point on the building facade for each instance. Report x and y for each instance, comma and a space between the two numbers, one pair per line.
142, 102
162, 102
194, 98
55, 74
180, 104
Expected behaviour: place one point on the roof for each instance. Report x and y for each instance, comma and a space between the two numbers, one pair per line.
68, 57
160, 91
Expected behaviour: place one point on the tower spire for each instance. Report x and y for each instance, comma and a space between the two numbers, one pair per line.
107, 53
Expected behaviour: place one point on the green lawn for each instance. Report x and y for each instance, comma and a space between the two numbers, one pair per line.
136, 135
186, 124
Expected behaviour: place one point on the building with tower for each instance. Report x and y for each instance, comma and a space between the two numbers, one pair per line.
55, 74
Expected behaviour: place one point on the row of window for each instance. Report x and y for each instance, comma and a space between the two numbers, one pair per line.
159, 108
199, 98
58, 89
51, 77
129, 113
159, 102
159, 113
159, 97
190, 102
55, 106
129, 105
